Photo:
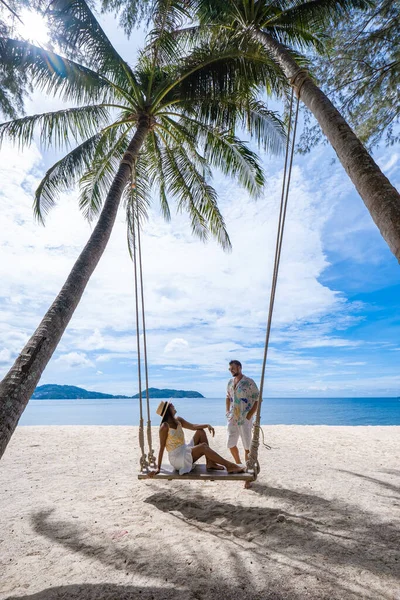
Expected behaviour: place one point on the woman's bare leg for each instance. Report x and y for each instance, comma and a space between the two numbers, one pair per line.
200, 437
211, 455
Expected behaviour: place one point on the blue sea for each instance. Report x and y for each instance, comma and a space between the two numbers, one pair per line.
286, 411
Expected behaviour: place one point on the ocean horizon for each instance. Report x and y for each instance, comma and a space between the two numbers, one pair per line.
275, 411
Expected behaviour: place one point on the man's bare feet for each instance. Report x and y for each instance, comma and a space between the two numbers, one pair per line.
214, 467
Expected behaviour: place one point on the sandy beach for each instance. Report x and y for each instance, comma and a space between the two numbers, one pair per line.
321, 522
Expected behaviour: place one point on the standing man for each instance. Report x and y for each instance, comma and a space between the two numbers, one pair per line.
241, 404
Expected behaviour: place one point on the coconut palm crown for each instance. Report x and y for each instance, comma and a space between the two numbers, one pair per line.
191, 104
284, 27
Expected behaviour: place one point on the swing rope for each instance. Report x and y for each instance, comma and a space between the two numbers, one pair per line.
253, 463
149, 460
150, 457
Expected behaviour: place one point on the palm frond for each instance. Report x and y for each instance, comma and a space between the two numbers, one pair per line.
225, 151
294, 36
77, 28
12, 11
56, 128
63, 175
184, 39
247, 114
137, 201
131, 12
57, 76
168, 16
194, 195
264, 126
192, 147
142, 186
227, 66
228, 153
294, 23
8, 100
155, 173
314, 15
174, 132
213, 11
97, 181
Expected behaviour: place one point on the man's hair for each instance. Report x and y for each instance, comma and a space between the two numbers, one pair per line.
235, 362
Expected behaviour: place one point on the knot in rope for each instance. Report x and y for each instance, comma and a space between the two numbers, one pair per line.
298, 79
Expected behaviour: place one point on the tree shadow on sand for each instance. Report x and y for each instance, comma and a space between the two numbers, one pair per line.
322, 535
196, 582
306, 536
108, 591
379, 482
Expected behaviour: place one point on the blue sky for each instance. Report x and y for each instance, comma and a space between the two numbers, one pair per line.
336, 327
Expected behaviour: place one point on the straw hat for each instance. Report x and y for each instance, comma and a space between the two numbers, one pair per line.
162, 408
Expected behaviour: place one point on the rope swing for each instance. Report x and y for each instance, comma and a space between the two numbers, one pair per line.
149, 460
253, 465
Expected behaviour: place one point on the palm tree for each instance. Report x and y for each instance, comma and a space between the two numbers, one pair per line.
164, 123
12, 84
281, 26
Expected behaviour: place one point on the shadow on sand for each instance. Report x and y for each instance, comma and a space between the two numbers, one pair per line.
126, 592
307, 535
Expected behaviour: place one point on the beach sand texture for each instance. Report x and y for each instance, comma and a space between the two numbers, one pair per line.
321, 522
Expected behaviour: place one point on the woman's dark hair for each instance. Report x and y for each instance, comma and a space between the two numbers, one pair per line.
167, 415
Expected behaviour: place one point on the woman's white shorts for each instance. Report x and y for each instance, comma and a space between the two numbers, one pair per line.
243, 431
181, 458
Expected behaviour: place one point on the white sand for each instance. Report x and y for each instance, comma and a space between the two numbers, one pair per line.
322, 521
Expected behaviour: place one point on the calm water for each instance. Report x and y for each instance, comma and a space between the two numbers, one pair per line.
288, 411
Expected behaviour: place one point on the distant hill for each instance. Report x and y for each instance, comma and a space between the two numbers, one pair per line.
156, 393
71, 392
67, 392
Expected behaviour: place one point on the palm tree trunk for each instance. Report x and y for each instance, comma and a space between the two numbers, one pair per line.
19, 384
380, 197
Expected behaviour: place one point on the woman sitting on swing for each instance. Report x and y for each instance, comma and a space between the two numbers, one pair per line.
182, 455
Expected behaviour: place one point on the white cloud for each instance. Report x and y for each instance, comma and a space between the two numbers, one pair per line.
176, 346
389, 161
5, 355
74, 359
328, 342
318, 388
357, 363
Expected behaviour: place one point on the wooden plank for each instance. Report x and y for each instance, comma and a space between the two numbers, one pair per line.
199, 473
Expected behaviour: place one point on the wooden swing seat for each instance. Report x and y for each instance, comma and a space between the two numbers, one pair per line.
199, 473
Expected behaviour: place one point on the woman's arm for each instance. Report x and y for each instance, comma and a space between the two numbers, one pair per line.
163, 440
194, 427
